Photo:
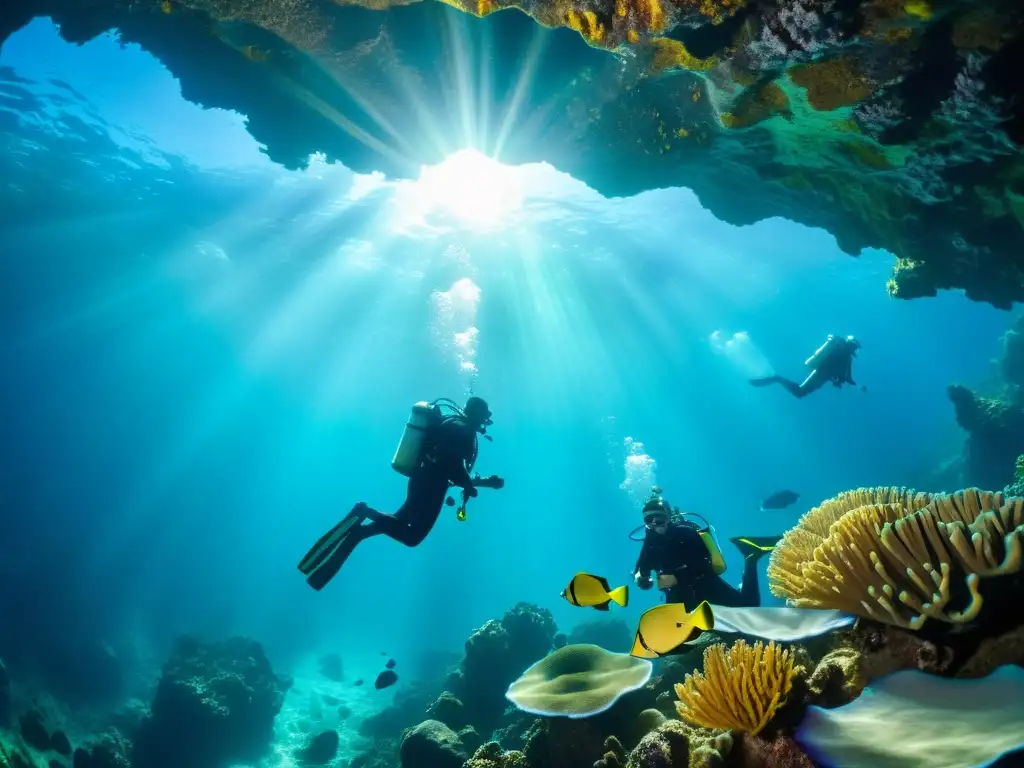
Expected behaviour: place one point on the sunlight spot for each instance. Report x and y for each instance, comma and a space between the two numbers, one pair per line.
364, 184
474, 190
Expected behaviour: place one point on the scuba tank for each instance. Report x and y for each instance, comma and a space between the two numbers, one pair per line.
815, 360
409, 452
707, 535
706, 532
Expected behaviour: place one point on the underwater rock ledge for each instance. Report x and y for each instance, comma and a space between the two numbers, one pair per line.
891, 125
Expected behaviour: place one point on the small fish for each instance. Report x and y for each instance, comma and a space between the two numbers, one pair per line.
385, 679
665, 628
166, 7
588, 591
779, 500
390, 664
358, 682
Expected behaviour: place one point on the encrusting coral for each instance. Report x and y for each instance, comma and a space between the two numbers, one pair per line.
898, 557
738, 690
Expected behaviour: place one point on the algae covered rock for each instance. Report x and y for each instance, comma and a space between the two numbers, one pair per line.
889, 124
432, 744
215, 703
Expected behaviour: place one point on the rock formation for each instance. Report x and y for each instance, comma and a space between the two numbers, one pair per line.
890, 124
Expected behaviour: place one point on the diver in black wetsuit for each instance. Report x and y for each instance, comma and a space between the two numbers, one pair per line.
687, 561
445, 459
831, 362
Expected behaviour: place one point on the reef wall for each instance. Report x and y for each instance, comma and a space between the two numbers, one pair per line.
891, 124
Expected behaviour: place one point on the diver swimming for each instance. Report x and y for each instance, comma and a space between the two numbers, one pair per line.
831, 362
438, 450
688, 562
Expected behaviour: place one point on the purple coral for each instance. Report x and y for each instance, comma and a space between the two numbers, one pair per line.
793, 32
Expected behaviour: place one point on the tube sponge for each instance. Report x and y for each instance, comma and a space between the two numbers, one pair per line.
740, 689
898, 557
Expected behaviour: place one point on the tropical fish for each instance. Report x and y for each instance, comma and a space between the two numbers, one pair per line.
166, 6
390, 664
664, 628
779, 500
385, 679
588, 591
358, 682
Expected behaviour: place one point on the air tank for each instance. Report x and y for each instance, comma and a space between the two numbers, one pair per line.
408, 454
707, 535
815, 360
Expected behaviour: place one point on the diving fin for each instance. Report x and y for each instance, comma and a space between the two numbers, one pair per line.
755, 546
329, 542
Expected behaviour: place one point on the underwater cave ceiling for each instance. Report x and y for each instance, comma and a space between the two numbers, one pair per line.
894, 124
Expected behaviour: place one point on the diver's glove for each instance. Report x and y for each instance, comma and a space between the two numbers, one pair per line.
469, 492
493, 481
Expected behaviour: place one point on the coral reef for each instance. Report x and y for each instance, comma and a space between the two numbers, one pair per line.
490, 755
215, 703
740, 688
496, 654
995, 435
677, 744
432, 744
891, 125
899, 557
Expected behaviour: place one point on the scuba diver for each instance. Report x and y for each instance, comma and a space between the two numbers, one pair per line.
437, 450
688, 562
832, 361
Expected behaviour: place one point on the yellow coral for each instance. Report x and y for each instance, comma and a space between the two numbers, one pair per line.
740, 690
755, 105
672, 54
832, 84
894, 555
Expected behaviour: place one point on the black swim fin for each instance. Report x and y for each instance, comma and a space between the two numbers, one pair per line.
755, 546
330, 541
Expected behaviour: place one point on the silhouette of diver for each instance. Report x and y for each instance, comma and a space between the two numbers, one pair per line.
435, 454
831, 362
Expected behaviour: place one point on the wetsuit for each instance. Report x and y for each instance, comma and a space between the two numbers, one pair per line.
450, 449
680, 552
837, 368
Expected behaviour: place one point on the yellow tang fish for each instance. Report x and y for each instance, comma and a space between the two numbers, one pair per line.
166, 7
664, 628
588, 591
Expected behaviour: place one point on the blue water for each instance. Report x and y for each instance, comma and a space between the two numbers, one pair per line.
205, 360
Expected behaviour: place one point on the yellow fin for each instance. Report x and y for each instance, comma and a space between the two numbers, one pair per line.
703, 617
620, 595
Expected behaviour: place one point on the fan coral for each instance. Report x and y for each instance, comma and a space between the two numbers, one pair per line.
739, 690
895, 556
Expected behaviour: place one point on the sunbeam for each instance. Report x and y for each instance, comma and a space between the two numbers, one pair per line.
476, 191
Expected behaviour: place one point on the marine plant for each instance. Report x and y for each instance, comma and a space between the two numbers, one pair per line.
897, 556
740, 689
